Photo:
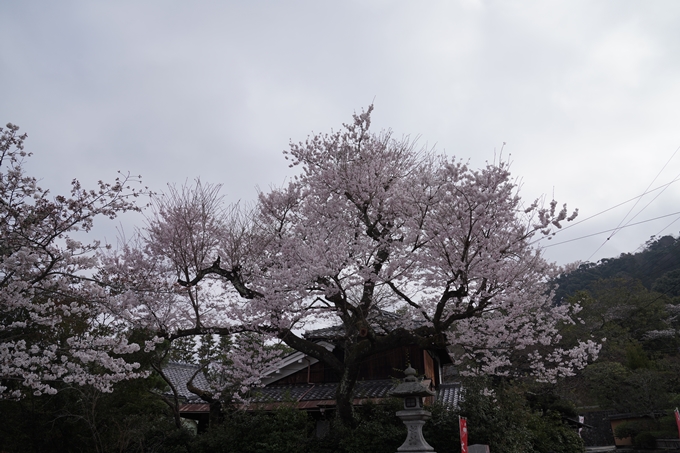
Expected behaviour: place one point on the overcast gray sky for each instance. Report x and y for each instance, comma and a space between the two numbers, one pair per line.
586, 94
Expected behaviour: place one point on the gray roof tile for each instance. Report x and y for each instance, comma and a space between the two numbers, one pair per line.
448, 394
180, 374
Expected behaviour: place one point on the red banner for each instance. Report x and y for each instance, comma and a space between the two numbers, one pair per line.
677, 420
463, 434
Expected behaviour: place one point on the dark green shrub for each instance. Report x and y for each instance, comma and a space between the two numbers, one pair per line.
636, 427
644, 440
644, 432
131, 419
502, 417
284, 430
377, 430
550, 434
442, 431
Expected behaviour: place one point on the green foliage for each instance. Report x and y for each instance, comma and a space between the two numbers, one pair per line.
624, 313
200, 348
636, 357
634, 427
666, 428
504, 418
550, 434
644, 431
442, 430
637, 370
644, 440
80, 418
660, 257
496, 416
377, 430
181, 350
668, 283
131, 419
284, 430
638, 391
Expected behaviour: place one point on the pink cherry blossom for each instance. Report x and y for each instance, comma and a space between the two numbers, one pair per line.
54, 326
398, 245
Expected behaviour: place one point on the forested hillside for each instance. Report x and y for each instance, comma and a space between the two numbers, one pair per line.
657, 267
631, 305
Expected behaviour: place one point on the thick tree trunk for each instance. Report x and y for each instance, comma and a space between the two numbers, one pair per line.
344, 395
215, 417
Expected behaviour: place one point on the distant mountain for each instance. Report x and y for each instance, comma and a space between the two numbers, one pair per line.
657, 267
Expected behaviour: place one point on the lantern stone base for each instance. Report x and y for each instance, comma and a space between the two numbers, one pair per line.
414, 419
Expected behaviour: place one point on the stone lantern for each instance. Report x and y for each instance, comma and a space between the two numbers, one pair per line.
414, 416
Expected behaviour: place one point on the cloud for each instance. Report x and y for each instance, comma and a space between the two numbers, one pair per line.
585, 93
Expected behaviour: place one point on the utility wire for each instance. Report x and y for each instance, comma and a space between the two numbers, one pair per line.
650, 202
663, 186
618, 227
662, 229
613, 229
640, 211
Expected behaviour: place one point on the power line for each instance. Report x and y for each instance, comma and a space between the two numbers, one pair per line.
650, 202
663, 186
662, 229
618, 227
612, 229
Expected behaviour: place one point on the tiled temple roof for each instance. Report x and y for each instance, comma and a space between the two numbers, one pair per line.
308, 392
303, 396
449, 394
319, 395
381, 320
180, 374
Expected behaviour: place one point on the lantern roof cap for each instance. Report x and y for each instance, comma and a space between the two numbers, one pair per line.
411, 386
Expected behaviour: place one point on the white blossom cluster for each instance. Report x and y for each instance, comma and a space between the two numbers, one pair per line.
370, 225
53, 327
657, 334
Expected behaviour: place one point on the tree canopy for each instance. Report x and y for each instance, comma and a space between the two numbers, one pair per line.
53, 323
370, 225
656, 266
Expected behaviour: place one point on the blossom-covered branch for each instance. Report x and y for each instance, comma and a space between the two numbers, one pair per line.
53, 328
397, 245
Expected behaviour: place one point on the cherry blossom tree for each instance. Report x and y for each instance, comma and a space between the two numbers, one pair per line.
52, 326
370, 225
